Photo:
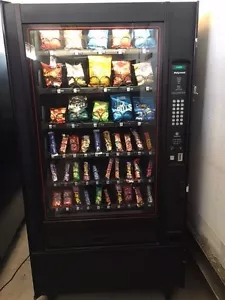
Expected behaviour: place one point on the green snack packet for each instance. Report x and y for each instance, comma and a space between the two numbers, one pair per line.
77, 109
98, 197
76, 174
100, 111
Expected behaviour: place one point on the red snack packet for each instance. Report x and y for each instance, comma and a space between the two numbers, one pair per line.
107, 197
118, 143
121, 38
149, 169
67, 198
64, 142
52, 75
56, 199
117, 168
122, 72
127, 192
74, 143
137, 169
57, 115
109, 168
50, 39
128, 142
148, 140
139, 198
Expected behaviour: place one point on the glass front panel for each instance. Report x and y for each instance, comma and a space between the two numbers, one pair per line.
96, 96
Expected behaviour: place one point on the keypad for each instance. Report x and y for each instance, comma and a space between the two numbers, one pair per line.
177, 112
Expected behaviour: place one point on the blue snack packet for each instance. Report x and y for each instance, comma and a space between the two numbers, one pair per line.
144, 108
143, 38
121, 107
97, 39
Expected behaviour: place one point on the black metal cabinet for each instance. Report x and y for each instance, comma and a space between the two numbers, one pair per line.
146, 239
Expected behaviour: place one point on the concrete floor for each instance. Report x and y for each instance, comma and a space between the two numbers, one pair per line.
21, 286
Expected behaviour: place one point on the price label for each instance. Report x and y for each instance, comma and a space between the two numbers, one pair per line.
139, 180
105, 90
77, 208
88, 207
150, 180
108, 206
121, 124
117, 154
63, 155
117, 181
76, 52
74, 155
54, 184
75, 90
75, 183
107, 181
85, 155
128, 205
139, 153
128, 89
139, 123
73, 125
150, 152
107, 154
147, 88
95, 124
50, 126
96, 154
118, 206
67, 209
97, 182
144, 51
128, 153
87, 182
58, 91
98, 207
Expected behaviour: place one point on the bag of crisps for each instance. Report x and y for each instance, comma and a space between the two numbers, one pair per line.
52, 75
99, 70
121, 38
100, 111
73, 39
143, 72
50, 39
75, 75
122, 72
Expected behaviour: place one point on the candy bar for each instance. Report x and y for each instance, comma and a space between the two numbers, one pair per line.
137, 170
137, 140
109, 168
98, 197
139, 199
129, 176
74, 143
85, 143
64, 142
67, 172
56, 199
119, 193
86, 171
58, 115
67, 198
117, 168
97, 140
118, 143
149, 169
95, 172
148, 140
76, 195
127, 192
128, 142
108, 142
53, 172
107, 197
76, 173
87, 197
149, 195
52, 143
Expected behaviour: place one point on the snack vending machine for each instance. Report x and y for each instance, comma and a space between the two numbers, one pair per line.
102, 96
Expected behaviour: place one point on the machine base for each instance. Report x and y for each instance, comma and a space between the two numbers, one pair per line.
107, 269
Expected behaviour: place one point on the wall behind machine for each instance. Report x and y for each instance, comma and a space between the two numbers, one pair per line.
207, 161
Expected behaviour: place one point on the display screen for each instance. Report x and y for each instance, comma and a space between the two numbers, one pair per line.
97, 90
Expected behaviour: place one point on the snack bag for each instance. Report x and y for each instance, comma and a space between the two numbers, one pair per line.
85, 143
98, 195
100, 111
75, 75
87, 197
121, 38
52, 75
64, 143
50, 39
76, 194
73, 39
97, 39
67, 172
127, 193
53, 172
77, 109
56, 199
144, 108
67, 198
143, 72
74, 143
58, 115
99, 70
143, 38
122, 73
121, 107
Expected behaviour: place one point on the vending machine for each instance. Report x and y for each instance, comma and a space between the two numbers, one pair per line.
102, 96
